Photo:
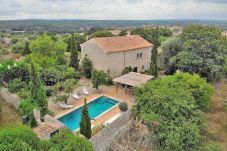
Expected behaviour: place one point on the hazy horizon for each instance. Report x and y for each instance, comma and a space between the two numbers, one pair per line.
113, 10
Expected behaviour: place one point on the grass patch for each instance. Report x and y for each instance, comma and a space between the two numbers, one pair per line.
9, 117
217, 114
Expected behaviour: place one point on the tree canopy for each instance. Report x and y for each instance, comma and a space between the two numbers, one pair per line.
171, 108
98, 78
203, 51
85, 123
23, 138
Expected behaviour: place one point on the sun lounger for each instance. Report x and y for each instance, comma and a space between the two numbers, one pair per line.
85, 91
65, 106
75, 96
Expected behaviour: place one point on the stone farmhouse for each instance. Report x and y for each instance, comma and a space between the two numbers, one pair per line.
113, 54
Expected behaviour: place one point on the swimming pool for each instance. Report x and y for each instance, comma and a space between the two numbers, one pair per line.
95, 108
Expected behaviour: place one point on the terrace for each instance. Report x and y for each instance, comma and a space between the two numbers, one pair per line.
108, 91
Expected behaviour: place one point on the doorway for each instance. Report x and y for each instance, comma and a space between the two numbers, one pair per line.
135, 69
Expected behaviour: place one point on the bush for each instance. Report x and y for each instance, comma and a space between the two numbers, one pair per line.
69, 85
123, 106
49, 90
16, 85
23, 93
22, 138
19, 138
10, 70
26, 108
171, 108
3, 51
87, 67
18, 47
65, 140
126, 70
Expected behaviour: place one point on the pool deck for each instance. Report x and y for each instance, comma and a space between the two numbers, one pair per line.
109, 91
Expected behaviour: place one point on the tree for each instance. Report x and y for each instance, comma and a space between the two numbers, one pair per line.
170, 48
123, 32
87, 67
79, 39
149, 33
169, 107
102, 33
46, 51
26, 49
203, 52
74, 62
19, 138
85, 123
22, 138
98, 78
38, 93
154, 55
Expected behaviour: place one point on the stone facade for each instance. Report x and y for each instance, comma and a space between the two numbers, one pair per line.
115, 62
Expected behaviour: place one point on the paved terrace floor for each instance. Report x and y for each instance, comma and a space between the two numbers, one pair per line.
93, 93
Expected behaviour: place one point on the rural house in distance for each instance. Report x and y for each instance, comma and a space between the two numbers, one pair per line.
113, 54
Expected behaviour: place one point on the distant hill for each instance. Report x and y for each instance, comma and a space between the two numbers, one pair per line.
85, 25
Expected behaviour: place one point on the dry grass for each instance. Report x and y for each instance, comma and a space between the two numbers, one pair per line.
8, 116
217, 115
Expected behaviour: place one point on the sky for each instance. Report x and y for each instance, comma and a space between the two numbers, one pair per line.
113, 9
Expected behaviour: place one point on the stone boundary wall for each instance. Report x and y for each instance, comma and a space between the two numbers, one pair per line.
10, 98
103, 139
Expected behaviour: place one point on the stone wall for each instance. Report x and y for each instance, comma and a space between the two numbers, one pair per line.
10, 98
103, 139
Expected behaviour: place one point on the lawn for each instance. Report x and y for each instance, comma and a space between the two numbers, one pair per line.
217, 115
8, 117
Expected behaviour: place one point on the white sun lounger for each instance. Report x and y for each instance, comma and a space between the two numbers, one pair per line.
65, 106
75, 96
85, 91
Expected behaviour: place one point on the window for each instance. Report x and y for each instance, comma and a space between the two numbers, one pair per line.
141, 55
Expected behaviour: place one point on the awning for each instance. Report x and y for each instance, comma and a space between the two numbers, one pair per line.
133, 79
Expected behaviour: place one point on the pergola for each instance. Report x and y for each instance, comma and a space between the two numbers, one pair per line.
132, 79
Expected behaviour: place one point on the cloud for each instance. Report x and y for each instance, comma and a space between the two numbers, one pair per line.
114, 9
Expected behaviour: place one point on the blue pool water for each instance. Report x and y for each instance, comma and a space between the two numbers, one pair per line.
95, 108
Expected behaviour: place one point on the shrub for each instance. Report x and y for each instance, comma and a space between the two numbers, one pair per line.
69, 85
87, 67
3, 51
22, 138
16, 85
170, 107
123, 106
65, 140
23, 93
61, 98
10, 70
98, 78
19, 138
26, 108
51, 76
126, 70
18, 47
49, 90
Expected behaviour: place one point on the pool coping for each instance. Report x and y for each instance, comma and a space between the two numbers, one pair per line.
75, 108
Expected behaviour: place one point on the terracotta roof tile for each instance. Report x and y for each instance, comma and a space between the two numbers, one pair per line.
121, 43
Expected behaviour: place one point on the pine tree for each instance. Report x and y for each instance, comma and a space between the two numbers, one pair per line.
26, 49
85, 123
38, 93
154, 55
74, 62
